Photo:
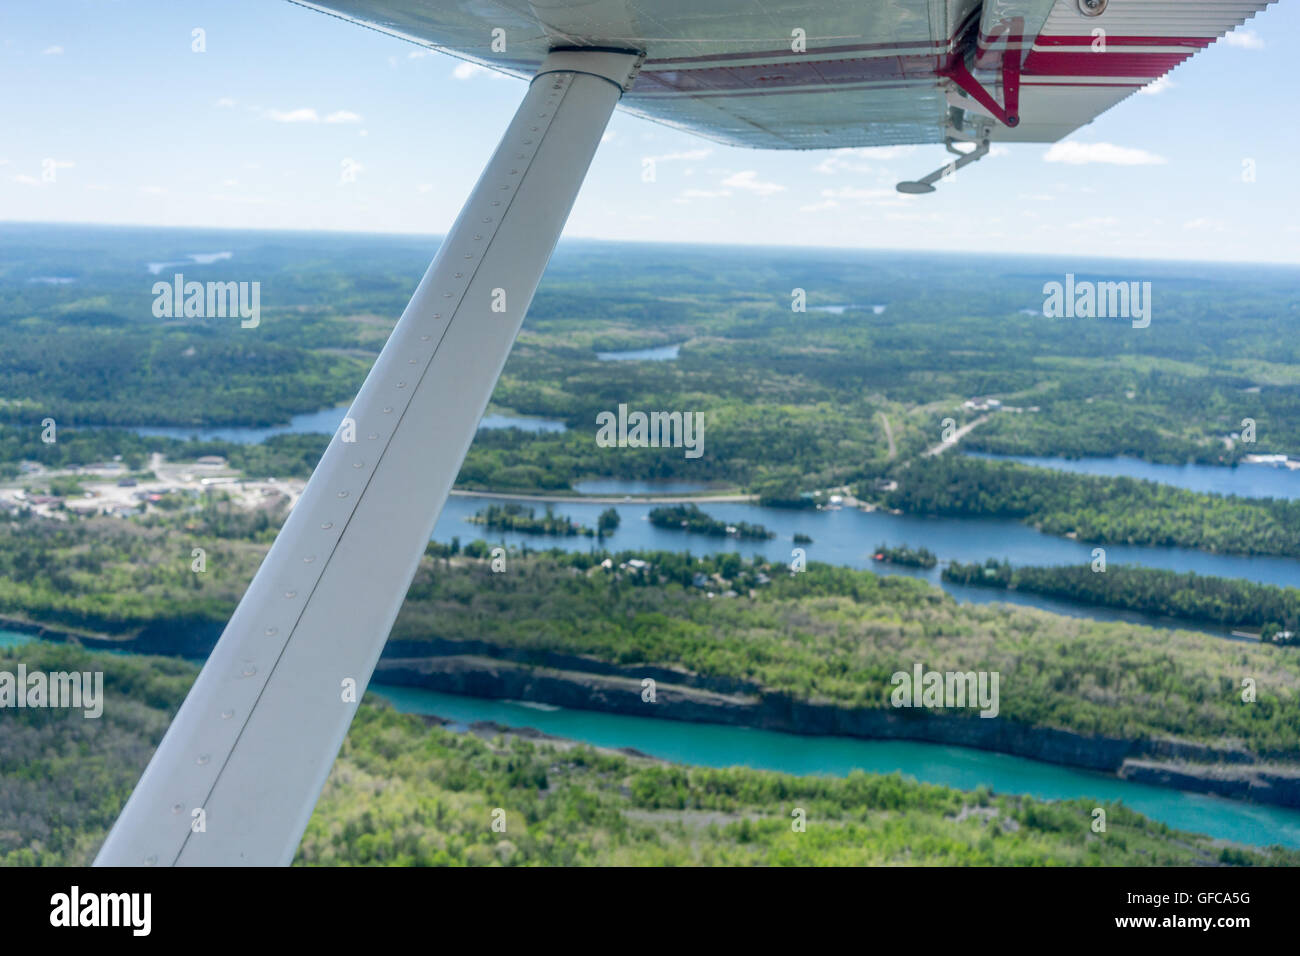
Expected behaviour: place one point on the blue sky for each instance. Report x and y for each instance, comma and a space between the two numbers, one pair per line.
254, 132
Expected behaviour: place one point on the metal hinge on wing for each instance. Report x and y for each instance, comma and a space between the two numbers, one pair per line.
986, 108
1008, 111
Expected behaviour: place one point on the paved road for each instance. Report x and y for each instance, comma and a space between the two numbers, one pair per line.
957, 436
889, 436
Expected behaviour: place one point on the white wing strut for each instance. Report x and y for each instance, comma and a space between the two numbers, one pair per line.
256, 737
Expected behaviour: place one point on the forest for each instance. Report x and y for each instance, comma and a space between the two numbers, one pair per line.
793, 400
689, 517
829, 633
514, 517
905, 556
405, 791
849, 396
1231, 602
1094, 508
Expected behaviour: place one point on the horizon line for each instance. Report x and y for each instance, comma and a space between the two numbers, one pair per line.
328, 232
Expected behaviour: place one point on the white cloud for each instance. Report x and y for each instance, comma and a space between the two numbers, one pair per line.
922, 217
425, 187
466, 71
705, 193
350, 170
854, 160
1159, 85
49, 168
818, 206
686, 155
225, 103
153, 190
748, 180
245, 200
882, 153
1094, 222
1079, 154
417, 54
1245, 39
52, 51
878, 197
841, 164
606, 136
308, 115
304, 115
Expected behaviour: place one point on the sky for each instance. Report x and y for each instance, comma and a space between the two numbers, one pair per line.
109, 98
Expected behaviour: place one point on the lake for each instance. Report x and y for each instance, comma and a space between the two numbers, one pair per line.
1249, 480
716, 745
662, 353
841, 309
849, 537
620, 486
13, 639
192, 259
325, 422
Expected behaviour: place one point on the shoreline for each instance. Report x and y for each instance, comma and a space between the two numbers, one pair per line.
1172, 764
577, 499
479, 669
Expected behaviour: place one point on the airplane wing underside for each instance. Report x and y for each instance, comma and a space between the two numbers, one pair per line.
812, 74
